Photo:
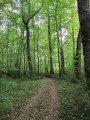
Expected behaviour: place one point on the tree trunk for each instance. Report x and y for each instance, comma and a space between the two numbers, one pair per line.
58, 43
7, 54
62, 53
24, 56
74, 57
28, 51
78, 56
34, 53
84, 18
40, 64
24, 67
11, 59
38, 51
62, 59
18, 61
34, 61
50, 47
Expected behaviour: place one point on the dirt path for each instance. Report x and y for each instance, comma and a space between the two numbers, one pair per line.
43, 105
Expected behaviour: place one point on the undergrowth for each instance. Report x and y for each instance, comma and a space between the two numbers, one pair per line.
14, 92
74, 100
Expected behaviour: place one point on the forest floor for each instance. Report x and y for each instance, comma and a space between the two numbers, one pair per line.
43, 105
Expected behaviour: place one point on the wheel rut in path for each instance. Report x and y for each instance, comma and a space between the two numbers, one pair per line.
43, 105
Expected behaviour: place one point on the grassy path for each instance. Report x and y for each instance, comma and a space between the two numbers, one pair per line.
43, 105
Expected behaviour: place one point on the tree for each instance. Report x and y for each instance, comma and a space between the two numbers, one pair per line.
34, 49
62, 52
26, 23
84, 18
38, 50
78, 56
50, 45
58, 42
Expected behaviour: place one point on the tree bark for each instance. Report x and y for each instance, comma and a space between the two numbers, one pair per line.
24, 67
62, 53
50, 47
11, 59
58, 42
78, 56
40, 64
7, 54
34, 53
84, 18
24, 45
28, 51
73, 39
38, 51
74, 57
18, 60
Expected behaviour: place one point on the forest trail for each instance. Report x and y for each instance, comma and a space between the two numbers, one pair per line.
43, 105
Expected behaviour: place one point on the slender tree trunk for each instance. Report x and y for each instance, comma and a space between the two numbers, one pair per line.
55, 68
74, 57
34, 52
58, 43
24, 67
84, 18
7, 54
62, 53
45, 65
78, 56
38, 51
40, 64
18, 61
48, 64
73, 39
22, 39
20, 54
24, 57
28, 51
50, 47
34, 61
62, 58
11, 60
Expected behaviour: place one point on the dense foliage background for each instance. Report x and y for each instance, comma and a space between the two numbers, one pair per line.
39, 38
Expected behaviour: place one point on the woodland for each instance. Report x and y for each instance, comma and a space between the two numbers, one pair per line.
45, 43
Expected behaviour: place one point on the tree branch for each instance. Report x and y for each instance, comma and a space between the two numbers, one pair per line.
23, 16
29, 9
34, 13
